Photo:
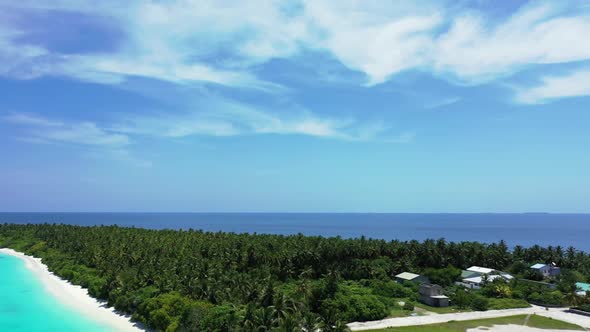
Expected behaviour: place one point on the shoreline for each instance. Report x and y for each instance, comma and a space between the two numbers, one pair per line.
75, 297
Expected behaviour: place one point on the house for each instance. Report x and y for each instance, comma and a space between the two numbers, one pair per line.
469, 274
432, 295
547, 270
478, 281
480, 270
583, 288
407, 276
475, 276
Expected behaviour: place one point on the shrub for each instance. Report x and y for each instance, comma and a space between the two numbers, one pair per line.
164, 311
498, 288
356, 307
195, 316
519, 268
533, 275
551, 298
219, 318
461, 299
444, 277
388, 288
130, 301
479, 303
495, 304
554, 297
409, 306
38, 247
355, 302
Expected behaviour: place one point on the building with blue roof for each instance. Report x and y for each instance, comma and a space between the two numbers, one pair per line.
547, 270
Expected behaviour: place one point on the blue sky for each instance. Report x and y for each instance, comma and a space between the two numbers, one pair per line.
301, 106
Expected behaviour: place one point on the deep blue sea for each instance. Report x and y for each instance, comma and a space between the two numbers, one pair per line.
516, 229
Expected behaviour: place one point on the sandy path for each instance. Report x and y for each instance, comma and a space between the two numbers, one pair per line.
74, 296
513, 328
556, 313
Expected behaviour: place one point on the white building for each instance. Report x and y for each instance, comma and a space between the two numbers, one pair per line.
475, 276
481, 270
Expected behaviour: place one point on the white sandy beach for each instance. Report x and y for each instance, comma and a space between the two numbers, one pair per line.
74, 296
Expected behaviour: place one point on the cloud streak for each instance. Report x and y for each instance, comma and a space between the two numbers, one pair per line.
225, 117
573, 84
443, 102
158, 45
475, 49
175, 41
40, 129
98, 143
30, 119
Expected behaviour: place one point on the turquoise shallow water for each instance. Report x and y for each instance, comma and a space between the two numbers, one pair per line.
26, 306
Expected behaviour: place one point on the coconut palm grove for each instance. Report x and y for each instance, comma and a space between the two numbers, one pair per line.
189, 280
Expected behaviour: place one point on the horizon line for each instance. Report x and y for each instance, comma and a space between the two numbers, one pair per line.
283, 212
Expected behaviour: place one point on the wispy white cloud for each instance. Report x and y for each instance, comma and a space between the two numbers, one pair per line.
229, 118
573, 84
99, 143
84, 133
443, 102
223, 117
210, 41
476, 49
163, 41
466, 46
31, 119
41, 129
372, 37
383, 40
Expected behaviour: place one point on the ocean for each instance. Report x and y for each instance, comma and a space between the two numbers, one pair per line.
524, 229
25, 304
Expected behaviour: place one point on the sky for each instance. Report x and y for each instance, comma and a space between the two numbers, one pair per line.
295, 106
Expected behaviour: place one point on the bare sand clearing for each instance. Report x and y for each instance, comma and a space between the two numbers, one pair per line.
512, 328
75, 297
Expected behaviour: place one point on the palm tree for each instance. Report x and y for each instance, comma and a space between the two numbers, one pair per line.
310, 322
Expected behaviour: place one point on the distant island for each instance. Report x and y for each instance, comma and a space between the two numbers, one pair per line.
190, 280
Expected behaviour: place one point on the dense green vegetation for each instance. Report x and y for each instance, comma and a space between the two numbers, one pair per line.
462, 326
201, 281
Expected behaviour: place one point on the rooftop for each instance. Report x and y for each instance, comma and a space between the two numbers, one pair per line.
479, 279
480, 269
468, 274
439, 297
475, 280
407, 276
583, 286
538, 266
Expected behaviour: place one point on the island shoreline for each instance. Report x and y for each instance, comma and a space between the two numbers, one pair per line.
75, 297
